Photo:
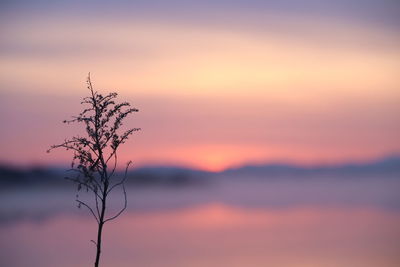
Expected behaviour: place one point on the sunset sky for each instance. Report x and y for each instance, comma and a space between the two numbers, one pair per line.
218, 83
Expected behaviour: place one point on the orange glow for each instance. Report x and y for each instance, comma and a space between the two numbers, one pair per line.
217, 158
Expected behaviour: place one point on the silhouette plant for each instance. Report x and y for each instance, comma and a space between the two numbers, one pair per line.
95, 154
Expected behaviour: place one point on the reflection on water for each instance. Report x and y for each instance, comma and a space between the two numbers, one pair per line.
242, 222
212, 235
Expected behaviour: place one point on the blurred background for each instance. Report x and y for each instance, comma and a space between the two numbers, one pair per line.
269, 131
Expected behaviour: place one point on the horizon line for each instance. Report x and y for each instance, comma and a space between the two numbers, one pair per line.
288, 163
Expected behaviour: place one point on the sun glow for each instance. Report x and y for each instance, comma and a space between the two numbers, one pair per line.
213, 97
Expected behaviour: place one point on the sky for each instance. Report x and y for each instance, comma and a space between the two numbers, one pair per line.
218, 83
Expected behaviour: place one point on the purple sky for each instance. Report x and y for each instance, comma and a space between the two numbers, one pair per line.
218, 83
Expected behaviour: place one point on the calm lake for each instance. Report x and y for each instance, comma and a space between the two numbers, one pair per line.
229, 221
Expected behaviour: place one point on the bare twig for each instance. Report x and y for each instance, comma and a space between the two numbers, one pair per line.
91, 210
123, 179
122, 210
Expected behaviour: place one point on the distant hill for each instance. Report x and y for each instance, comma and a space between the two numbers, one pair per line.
14, 176
178, 176
386, 165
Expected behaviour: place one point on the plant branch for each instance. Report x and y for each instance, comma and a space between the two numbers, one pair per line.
122, 210
87, 206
